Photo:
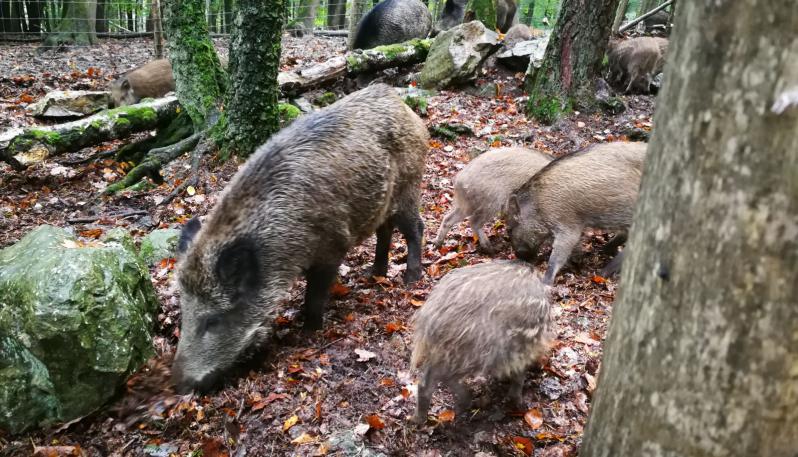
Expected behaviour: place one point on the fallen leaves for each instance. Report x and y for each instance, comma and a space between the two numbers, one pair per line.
375, 422
364, 355
533, 418
339, 290
57, 451
304, 438
523, 444
446, 415
290, 422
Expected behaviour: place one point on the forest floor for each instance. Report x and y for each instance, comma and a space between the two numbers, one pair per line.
309, 392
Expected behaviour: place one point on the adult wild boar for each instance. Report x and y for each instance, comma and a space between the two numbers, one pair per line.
454, 12
492, 319
596, 187
392, 21
314, 190
482, 188
151, 80
636, 59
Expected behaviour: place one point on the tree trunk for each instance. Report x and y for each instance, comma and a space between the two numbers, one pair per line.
101, 23
157, 28
252, 111
356, 12
483, 11
336, 14
307, 14
34, 8
76, 25
228, 15
619, 15
701, 358
529, 13
572, 62
200, 81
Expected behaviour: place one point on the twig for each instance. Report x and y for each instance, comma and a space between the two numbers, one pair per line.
85, 220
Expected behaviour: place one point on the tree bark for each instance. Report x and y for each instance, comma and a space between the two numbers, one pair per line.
101, 23
483, 11
307, 14
76, 25
157, 28
701, 358
336, 14
572, 62
228, 15
34, 8
252, 111
619, 15
200, 81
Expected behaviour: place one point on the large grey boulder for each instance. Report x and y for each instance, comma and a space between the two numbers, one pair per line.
456, 55
158, 245
70, 103
517, 56
75, 320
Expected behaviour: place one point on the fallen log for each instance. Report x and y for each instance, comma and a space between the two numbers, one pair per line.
354, 63
22, 147
643, 17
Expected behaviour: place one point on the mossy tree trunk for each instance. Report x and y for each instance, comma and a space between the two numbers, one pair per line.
77, 25
200, 81
701, 359
483, 11
252, 110
572, 63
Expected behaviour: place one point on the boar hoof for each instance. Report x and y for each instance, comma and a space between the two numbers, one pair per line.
412, 276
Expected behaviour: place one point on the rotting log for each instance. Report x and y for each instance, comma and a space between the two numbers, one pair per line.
23, 147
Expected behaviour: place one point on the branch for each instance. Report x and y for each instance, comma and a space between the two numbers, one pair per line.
643, 17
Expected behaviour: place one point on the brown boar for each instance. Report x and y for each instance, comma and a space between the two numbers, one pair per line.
492, 319
636, 59
596, 187
151, 80
315, 189
482, 188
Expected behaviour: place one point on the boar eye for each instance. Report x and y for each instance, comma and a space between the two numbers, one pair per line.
211, 323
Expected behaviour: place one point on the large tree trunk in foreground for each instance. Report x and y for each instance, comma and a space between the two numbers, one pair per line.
252, 112
77, 25
572, 63
200, 81
701, 359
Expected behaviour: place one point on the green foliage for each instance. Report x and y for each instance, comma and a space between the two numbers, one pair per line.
327, 98
288, 113
484, 11
540, 9
547, 108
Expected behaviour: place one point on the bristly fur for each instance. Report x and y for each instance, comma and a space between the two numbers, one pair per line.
596, 187
636, 59
151, 80
492, 319
392, 21
314, 190
482, 188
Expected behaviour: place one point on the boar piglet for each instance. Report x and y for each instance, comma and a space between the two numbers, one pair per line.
482, 188
596, 187
492, 319
637, 59
151, 80
314, 190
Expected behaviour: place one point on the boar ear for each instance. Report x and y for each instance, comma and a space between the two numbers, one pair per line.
187, 234
125, 84
238, 267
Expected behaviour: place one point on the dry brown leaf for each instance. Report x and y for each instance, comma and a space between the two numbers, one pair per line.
304, 438
375, 422
523, 444
290, 422
533, 418
446, 415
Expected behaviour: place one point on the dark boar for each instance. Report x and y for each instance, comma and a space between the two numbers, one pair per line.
595, 188
314, 190
392, 21
492, 319
454, 13
482, 188
153, 79
659, 21
636, 59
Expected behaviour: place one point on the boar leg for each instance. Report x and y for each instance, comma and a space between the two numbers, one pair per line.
426, 386
384, 233
462, 396
611, 248
515, 393
412, 228
320, 278
478, 221
564, 243
452, 217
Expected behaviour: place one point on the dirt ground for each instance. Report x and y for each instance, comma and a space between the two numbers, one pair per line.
304, 392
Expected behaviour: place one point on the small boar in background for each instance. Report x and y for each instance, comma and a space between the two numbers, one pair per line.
482, 188
151, 80
596, 187
392, 21
492, 319
636, 60
315, 189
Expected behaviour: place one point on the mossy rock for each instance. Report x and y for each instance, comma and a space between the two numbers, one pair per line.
77, 317
288, 113
158, 245
327, 98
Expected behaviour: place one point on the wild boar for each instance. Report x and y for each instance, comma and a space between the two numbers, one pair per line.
596, 187
453, 14
392, 21
492, 319
482, 188
153, 79
314, 190
637, 59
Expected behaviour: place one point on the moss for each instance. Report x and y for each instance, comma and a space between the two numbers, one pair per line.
45, 136
123, 122
547, 108
417, 103
288, 113
325, 99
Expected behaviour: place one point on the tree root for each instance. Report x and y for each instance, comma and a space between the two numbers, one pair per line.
205, 145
